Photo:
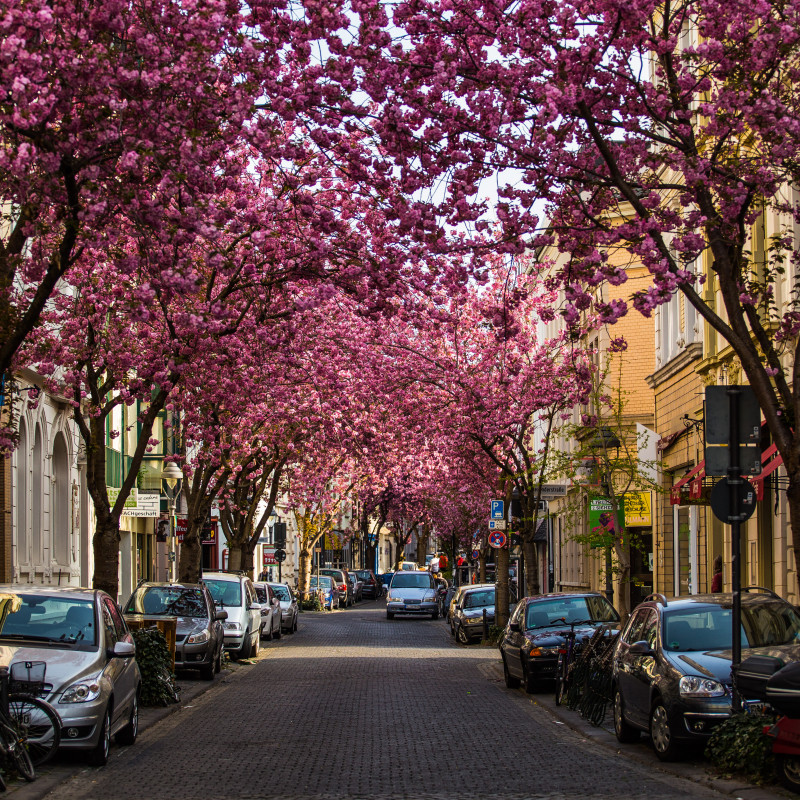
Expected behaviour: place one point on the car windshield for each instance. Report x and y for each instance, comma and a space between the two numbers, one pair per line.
52, 619
175, 601
401, 581
338, 576
282, 593
261, 594
364, 576
544, 613
225, 593
323, 582
764, 624
479, 599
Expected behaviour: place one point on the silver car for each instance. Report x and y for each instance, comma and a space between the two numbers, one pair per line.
412, 593
288, 606
270, 611
234, 593
91, 675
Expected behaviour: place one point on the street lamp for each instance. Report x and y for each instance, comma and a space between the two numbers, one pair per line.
171, 478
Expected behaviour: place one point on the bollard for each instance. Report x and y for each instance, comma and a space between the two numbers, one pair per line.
485, 626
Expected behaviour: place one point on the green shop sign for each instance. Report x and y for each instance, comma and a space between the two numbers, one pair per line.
602, 525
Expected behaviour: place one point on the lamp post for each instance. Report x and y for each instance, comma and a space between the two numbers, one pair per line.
171, 478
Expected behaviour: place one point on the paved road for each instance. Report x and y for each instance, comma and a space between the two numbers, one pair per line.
355, 706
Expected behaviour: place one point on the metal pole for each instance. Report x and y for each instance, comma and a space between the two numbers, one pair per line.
453, 566
172, 553
734, 482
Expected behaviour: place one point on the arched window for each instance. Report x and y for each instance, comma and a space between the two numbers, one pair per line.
22, 556
61, 520
37, 469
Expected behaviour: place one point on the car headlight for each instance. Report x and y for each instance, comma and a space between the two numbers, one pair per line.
81, 692
695, 686
232, 626
393, 598
198, 638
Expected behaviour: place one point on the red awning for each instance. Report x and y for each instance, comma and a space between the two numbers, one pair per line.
770, 461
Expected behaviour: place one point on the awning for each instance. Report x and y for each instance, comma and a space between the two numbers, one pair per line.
690, 487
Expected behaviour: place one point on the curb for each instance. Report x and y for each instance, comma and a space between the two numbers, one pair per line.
737, 788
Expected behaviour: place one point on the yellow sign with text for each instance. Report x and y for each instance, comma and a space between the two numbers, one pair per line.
638, 510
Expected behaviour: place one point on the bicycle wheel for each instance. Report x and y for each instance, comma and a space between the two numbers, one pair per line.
561, 680
38, 725
16, 752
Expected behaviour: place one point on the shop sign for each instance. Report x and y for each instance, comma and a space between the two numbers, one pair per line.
137, 504
638, 510
269, 556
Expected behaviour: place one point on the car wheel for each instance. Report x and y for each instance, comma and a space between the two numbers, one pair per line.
511, 681
128, 734
788, 768
293, 629
207, 671
625, 732
246, 648
268, 637
461, 635
435, 614
531, 684
279, 632
256, 647
661, 734
389, 615
218, 662
98, 755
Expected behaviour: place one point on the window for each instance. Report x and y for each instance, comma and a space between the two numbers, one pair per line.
401, 581
479, 599
225, 593
119, 623
635, 627
111, 635
650, 630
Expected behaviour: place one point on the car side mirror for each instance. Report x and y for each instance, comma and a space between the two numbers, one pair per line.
641, 649
221, 615
514, 627
254, 607
275, 601
123, 650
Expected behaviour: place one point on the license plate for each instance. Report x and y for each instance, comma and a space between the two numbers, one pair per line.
754, 707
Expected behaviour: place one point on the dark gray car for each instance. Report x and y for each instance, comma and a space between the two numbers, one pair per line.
468, 614
199, 635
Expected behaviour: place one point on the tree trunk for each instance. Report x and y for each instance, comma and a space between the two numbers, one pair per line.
105, 543
234, 557
422, 545
482, 567
247, 559
304, 571
501, 588
531, 563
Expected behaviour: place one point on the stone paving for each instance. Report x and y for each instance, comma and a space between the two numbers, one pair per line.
356, 706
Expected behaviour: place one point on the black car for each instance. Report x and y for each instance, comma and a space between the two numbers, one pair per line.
199, 636
536, 630
371, 585
468, 614
672, 663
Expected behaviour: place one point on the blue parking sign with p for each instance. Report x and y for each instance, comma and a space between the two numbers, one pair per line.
497, 509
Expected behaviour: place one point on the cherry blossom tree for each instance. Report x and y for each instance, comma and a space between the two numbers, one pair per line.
663, 131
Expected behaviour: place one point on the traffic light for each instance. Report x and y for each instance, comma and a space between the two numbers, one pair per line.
279, 534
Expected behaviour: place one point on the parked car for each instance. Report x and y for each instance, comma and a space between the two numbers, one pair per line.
412, 593
358, 586
386, 579
371, 586
456, 597
408, 566
672, 663
91, 675
199, 635
330, 591
451, 590
535, 633
340, 577
468, 613
270, 611
235, 593
288, 606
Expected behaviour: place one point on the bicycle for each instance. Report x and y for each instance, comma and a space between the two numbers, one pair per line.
30, 728
566, 658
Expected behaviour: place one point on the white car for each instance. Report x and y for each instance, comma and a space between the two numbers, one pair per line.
235, 593
412, 593
270, 611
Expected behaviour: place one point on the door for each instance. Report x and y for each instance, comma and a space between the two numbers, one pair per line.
121, 671
624, 661
513, 642
642, 672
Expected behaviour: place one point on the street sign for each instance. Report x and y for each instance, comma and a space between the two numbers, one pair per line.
497, 524
497, 510
476, 554
269, 556
721, 500
552, 490
280, 556
497, 539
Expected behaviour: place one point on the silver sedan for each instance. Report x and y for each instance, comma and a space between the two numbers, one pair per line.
289, 609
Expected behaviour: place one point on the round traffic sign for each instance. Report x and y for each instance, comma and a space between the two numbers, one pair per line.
721, 500
280, 556
497, 539
476, 554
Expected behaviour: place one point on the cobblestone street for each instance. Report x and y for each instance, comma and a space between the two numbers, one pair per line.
357, 706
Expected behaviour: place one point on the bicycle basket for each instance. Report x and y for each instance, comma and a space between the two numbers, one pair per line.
27, 677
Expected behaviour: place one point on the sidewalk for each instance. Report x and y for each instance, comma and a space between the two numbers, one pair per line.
697, 771
66, 765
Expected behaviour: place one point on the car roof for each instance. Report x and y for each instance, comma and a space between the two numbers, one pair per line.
169, 584
225, 576
75, 592
557, 595
716, 599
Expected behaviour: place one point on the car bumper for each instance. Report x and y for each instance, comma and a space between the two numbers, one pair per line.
234, 641
693, 720
542, 668
413, 608
194, 655
80, 723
